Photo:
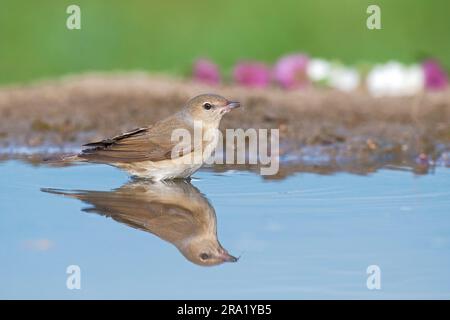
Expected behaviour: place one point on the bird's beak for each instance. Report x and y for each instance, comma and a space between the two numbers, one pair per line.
226, 257
231, 105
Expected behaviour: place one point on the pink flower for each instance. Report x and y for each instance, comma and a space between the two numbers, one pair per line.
435, 76
423, 159
252, 74
206, 71
290, 71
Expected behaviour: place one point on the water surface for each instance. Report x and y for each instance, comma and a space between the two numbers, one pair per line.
306, 236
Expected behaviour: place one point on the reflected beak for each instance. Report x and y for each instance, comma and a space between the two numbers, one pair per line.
226, 257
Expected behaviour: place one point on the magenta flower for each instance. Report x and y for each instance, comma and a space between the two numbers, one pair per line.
290, 71
252, 74
435, 76
206, 71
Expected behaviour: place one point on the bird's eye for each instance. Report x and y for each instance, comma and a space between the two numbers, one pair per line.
207, 106
204, 256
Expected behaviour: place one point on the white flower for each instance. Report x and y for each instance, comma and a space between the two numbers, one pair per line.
335, 75
318, 69
414, 81
394, 79
344, 78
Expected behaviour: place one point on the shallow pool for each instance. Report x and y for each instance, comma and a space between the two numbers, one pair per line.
306, 236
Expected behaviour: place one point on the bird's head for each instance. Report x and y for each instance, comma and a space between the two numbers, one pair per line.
206, 252
209, 108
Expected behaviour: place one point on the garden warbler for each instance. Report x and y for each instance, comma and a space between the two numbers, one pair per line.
163, 151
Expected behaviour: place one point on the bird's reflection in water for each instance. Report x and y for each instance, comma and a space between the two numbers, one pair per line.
174, 211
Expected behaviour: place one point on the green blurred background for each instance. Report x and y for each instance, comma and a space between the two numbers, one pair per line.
168, 35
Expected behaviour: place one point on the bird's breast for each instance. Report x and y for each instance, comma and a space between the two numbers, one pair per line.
210, 138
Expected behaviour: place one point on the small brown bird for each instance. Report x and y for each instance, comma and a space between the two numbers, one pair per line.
175, 211
148, 152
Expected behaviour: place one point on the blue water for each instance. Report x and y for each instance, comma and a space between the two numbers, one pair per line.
307, 236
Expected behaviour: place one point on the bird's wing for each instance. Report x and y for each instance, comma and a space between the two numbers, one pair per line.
150, 143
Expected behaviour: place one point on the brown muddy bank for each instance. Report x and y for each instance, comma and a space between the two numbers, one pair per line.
320, 129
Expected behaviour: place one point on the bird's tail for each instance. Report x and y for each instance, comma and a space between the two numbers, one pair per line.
76, 194
61, 159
